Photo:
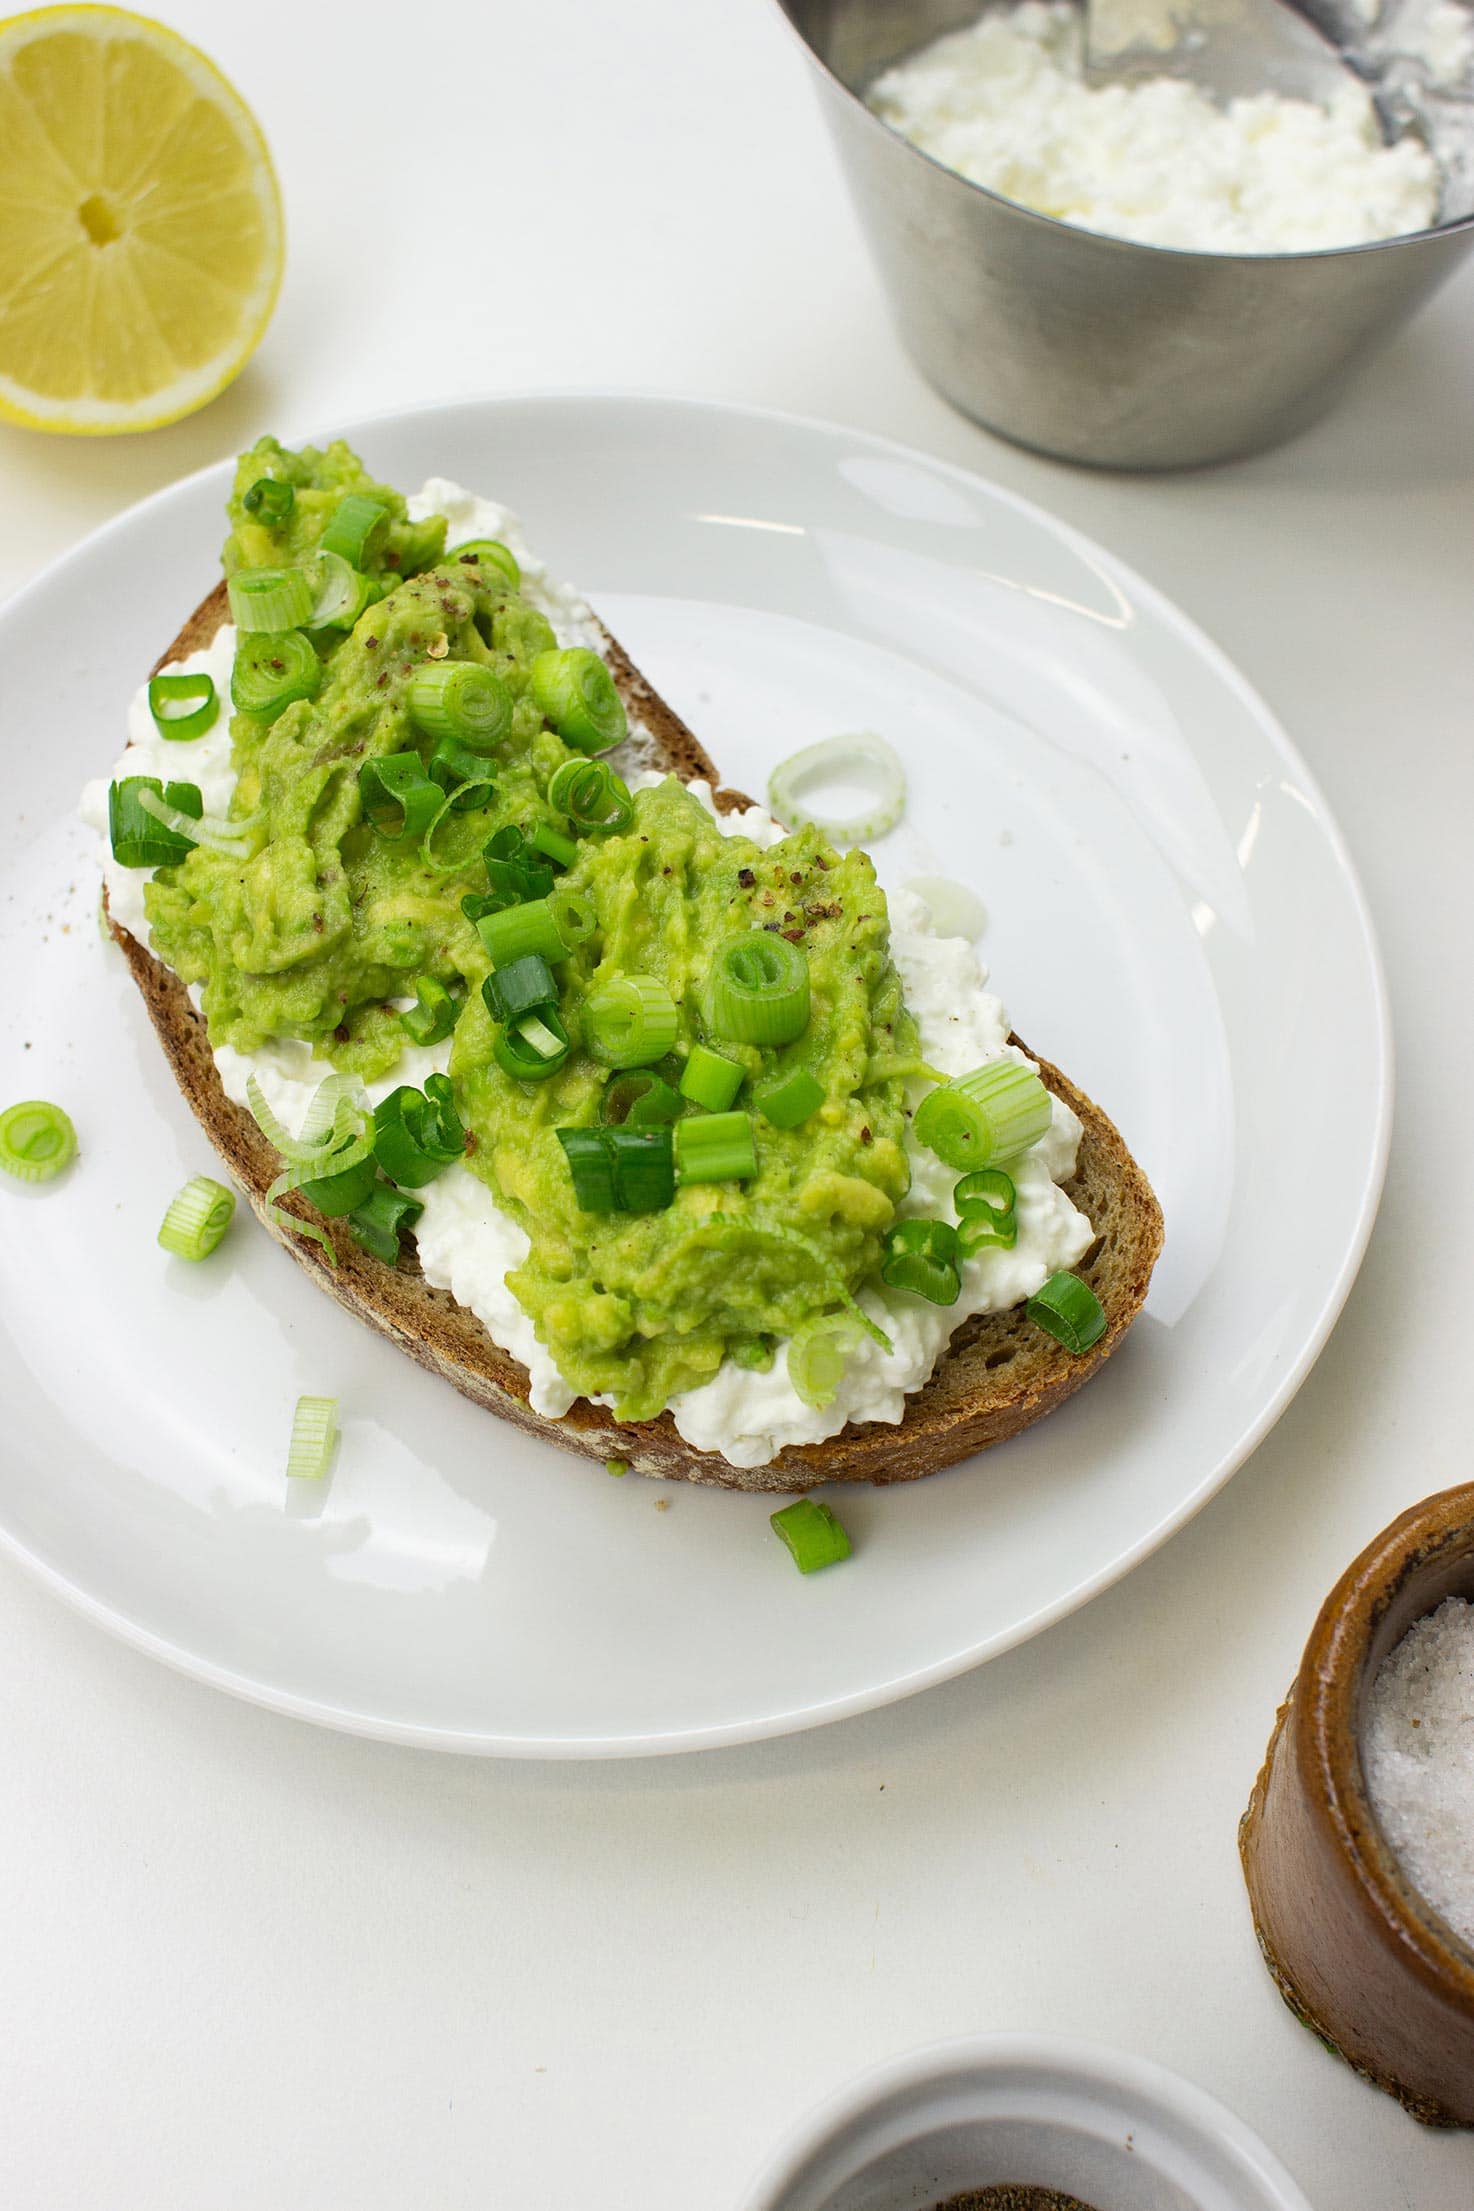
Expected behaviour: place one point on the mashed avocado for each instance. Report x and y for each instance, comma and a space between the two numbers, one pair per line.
331, 921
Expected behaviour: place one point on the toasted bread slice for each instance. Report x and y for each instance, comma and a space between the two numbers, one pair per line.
999, 1373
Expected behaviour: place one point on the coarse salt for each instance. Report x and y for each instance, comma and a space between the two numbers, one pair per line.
1418, 1756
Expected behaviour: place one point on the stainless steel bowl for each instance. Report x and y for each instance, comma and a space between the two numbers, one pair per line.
1097, 349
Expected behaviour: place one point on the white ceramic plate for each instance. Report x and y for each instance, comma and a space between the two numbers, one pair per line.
1174, 920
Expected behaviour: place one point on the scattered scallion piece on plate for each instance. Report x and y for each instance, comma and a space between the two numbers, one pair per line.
864, 760
37, 1140
813, 1536
997, 1111
759, 989
1069, 1310
710, 1079
184, 705
197, 1218
314, 1433
574, 690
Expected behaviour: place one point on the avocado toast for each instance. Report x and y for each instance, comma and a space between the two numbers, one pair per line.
999, 1370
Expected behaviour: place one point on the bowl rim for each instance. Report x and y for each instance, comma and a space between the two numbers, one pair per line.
1155, 2088
1334, 1680
1194, 255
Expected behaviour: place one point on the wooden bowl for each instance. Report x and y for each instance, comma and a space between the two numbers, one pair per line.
1358, 1956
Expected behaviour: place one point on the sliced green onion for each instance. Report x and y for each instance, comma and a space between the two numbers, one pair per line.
985, 1211
491, 553
788, 1100
339, 592
379, 1221
327, 1160
922, 1257
270, 502
629, 1021
511, 872
617, 1467
638, 1099
463, 775
818, 1354
992, 1114
344, 1187
183, 706
574, 916
334, 1112
574, 690
418, 1133
812, 1534
36, 1140
534, 1047
595, 799
460, 699
978, 1233
355, 529
434, 1013
620, 1170
398, 797
314, 1432
955, 910
269, 598
138, 840
524, 986
715, 1147
197, 1218
545, 838
517, 930
1069, 1310
867, 760
270, 671
759, 989
710, 1079
237, 840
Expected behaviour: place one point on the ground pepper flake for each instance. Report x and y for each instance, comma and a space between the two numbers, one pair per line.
1012, 2197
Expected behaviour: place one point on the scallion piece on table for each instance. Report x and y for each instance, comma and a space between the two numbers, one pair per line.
314, 1432
418, 1133
525, 985
518, 930
818, 1354
465, 776
552, 842
489, 552
355, 529
533, 1047
715, 1147
759, 989
979, 1119
398, 797
922, 1257
138, 840
272, 670
638, 1099
37, 1140
270, 502
710, 1079
269, 598
1069, 1310
788, 1100
460, 699
572, 688
620, 1170
378, 1223
629, 1021
434, 1013
595, 799
197, 1218
813, 1536
866, 760
183, 705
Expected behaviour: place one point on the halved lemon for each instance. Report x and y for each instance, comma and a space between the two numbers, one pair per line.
140, 224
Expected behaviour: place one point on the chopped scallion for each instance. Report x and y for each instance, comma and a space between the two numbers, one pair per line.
812, 1535
525, 985
517, 930
398, 797
629, 1021
710, 1079
269, 598
272, 670
715, 1147
489, 552
461, 699
269, 502
140, 841
314, 1433
595, 799
922, 1257
997, 1111
558, 848
866, 760
620, 1170
638, 1099
574, 690
434, 1013
37, 1140
788, 1100
184, 705
418, 1133
197, 1218
533, 1047
378, 1223
1069, 1310
759, 989
355, 529
818, 1354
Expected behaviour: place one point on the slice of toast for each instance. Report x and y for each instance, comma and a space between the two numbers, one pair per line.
999, 1373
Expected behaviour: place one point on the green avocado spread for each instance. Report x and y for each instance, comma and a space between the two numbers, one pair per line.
324, 932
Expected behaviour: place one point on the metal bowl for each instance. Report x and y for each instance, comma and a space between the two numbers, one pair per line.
1092, 348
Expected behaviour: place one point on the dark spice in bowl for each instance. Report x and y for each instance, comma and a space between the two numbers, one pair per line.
1012, 2197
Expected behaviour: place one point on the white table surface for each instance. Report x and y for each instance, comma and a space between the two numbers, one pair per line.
244, 1963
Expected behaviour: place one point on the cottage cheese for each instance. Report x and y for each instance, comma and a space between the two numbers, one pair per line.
1005, 103
467, 1244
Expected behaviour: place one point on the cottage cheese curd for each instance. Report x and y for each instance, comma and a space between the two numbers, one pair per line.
1005, 103
467, 1244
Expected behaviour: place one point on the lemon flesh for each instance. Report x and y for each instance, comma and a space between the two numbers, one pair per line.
140, 224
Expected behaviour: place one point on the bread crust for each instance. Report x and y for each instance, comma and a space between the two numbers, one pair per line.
999, 1374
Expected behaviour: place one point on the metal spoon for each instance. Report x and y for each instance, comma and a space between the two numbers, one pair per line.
1228, 48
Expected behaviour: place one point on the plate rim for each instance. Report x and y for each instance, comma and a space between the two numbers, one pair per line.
876, 1695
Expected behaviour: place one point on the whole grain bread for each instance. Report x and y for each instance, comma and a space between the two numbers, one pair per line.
999, 1373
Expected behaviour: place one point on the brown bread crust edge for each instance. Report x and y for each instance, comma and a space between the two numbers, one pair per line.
999, 1374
